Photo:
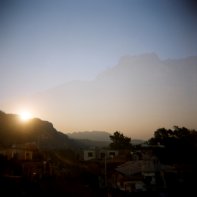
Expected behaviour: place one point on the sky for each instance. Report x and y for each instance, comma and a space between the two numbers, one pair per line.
46, 43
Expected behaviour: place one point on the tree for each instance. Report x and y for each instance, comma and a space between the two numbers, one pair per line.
180, 144
119, 141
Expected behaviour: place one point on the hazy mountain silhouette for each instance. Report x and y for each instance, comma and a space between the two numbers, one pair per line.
138, 95
90, 135
97, 138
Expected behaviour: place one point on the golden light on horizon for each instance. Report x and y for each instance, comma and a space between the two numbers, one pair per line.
25, 116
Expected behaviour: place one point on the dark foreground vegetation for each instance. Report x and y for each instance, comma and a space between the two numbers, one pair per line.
37, 160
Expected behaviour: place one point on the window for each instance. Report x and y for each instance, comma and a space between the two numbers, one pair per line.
102, 155
90, 154
111, 154
27, 156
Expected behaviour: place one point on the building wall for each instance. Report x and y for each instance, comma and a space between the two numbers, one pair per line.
89, 154
16, 153
99, 154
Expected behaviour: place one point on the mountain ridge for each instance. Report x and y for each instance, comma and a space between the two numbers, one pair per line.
97, 136
135, 96
90, 135
45, 136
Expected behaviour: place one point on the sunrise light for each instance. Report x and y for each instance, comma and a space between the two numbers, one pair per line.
25, 116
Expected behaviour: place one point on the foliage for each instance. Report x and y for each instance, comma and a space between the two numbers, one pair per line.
180, 144
119, 141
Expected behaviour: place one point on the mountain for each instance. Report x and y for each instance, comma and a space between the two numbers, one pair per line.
138, 95
14, 131
90, 135
96, 138
91, 139
41, 132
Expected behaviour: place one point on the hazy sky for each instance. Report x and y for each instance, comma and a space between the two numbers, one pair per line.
44, 43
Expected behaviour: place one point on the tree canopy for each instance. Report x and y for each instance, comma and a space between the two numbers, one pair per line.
119, 141
180, 144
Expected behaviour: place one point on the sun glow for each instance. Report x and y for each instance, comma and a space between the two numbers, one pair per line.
25, 116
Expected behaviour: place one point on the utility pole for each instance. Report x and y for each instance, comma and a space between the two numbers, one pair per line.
105, 168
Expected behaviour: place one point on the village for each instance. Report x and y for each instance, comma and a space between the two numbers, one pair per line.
28, 171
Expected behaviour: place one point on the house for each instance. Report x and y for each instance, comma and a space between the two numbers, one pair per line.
89, 155
19, 151
108, 154
99, 154
140, 174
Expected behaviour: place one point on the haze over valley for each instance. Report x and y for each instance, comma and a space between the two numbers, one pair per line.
136, 96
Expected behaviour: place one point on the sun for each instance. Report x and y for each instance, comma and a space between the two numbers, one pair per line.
25, 116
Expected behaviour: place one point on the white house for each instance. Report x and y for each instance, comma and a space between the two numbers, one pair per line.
99, 154
89, 155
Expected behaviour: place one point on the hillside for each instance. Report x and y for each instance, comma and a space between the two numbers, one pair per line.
13, 130
90, 135
41, 132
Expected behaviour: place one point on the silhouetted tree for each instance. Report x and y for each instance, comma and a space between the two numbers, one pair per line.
119, 141
180, 144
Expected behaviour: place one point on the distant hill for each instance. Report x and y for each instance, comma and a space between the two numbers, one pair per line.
89, 144
91, 139
97, 138
90, 135
41, 132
